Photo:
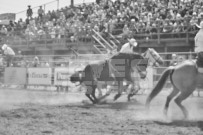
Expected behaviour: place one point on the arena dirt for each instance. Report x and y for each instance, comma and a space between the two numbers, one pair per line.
32, 112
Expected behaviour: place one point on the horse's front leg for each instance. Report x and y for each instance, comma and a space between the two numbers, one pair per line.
133, 90
121, 88
91, 92
89, 96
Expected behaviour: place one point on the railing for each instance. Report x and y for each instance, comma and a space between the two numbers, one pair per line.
102, 41
85, 36
81, 60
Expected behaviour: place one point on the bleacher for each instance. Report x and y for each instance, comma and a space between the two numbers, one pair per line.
71, 26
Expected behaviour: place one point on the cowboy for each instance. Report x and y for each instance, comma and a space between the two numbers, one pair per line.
129, 47
199, 46
9, 54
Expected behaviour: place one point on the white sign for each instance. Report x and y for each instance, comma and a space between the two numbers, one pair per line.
14, 75
61, 76
39, 76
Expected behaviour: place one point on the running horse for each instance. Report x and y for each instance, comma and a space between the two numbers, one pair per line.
135, 73
116, 69
184, 78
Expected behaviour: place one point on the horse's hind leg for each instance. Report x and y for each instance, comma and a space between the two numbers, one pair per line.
179, 100
169, 98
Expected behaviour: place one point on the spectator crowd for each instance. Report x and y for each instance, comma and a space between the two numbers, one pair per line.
123, 18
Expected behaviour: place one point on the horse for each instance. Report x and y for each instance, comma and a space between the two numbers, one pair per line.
116, 69
184, 78
133, 76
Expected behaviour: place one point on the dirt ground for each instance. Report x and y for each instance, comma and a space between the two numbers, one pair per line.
26, 112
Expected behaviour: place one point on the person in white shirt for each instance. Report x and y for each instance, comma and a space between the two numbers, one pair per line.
199, 45
9, 54
129, 46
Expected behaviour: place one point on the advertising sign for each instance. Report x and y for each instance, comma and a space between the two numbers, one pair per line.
39, 76
15, 75
61, 76
8, 16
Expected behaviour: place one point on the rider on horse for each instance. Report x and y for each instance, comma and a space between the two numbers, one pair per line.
9, 54
129, 46
199, 46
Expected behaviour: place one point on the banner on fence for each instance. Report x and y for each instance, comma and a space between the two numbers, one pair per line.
61, 76
15, 75
39, 76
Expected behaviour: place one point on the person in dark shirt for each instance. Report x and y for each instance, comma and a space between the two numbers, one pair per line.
29, 12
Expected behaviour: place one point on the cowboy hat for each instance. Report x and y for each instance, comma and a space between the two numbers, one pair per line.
200, 26
4, 47
133, 42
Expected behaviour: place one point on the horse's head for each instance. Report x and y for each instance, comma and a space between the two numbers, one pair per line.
153, 57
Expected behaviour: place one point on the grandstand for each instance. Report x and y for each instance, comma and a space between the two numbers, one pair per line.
104, 26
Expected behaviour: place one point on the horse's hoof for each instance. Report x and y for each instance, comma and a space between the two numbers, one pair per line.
96, 102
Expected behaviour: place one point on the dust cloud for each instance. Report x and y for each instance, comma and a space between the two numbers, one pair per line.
11, 99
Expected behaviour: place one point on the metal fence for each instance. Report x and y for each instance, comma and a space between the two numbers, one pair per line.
68, 64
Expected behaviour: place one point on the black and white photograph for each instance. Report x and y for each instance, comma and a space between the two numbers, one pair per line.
101, 67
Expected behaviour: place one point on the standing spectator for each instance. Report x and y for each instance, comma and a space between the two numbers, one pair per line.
36, 62
40, 14
4, 30
29, 12
174, 60
9, 54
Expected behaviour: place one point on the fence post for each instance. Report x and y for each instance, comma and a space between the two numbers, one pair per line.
26, 84
187, 34
46, 40
159, 33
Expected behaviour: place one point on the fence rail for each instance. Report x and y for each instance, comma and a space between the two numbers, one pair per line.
75, 63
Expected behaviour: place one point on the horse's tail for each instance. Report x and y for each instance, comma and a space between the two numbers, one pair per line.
159, 85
